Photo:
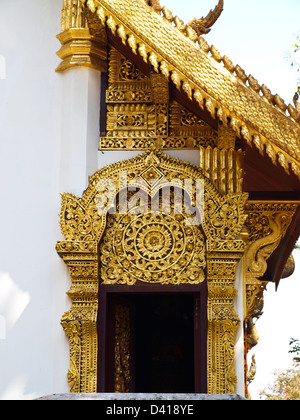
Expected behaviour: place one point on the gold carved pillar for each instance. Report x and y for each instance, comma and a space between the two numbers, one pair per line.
224, 219
223, 224
222, 261
79, 323
83, 38
223, 321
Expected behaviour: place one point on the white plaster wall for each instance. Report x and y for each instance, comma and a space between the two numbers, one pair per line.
239, 338
48, 144
49, 133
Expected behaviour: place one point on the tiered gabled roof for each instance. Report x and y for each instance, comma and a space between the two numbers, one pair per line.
220, 87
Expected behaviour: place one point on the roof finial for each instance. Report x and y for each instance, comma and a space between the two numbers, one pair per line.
296, 101
156, 5
202, 26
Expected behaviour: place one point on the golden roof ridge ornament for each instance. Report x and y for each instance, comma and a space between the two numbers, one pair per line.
203, 25
199, 27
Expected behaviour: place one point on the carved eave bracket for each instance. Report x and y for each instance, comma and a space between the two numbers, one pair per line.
267, 224
82, 37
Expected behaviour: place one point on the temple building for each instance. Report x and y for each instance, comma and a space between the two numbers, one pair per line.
153, 181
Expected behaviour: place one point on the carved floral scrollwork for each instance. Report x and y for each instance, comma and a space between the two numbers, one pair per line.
79, 223
152, 248
225, 217
72, 330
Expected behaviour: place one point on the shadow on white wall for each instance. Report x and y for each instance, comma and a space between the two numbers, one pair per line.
16, 391
13, 302
2, 68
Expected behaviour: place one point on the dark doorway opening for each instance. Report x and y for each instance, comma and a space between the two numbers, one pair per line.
164, 343
152, 340
151, 343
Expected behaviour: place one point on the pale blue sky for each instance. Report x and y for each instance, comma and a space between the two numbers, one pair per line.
257, 34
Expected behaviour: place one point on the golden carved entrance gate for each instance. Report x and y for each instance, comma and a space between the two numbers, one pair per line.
160, 247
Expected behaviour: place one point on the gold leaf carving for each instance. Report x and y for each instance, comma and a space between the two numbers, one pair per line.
154, 247
140, 114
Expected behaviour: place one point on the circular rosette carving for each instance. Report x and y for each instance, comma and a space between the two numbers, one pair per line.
153, 248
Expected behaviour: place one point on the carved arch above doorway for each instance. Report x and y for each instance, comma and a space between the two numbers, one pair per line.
83, 223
